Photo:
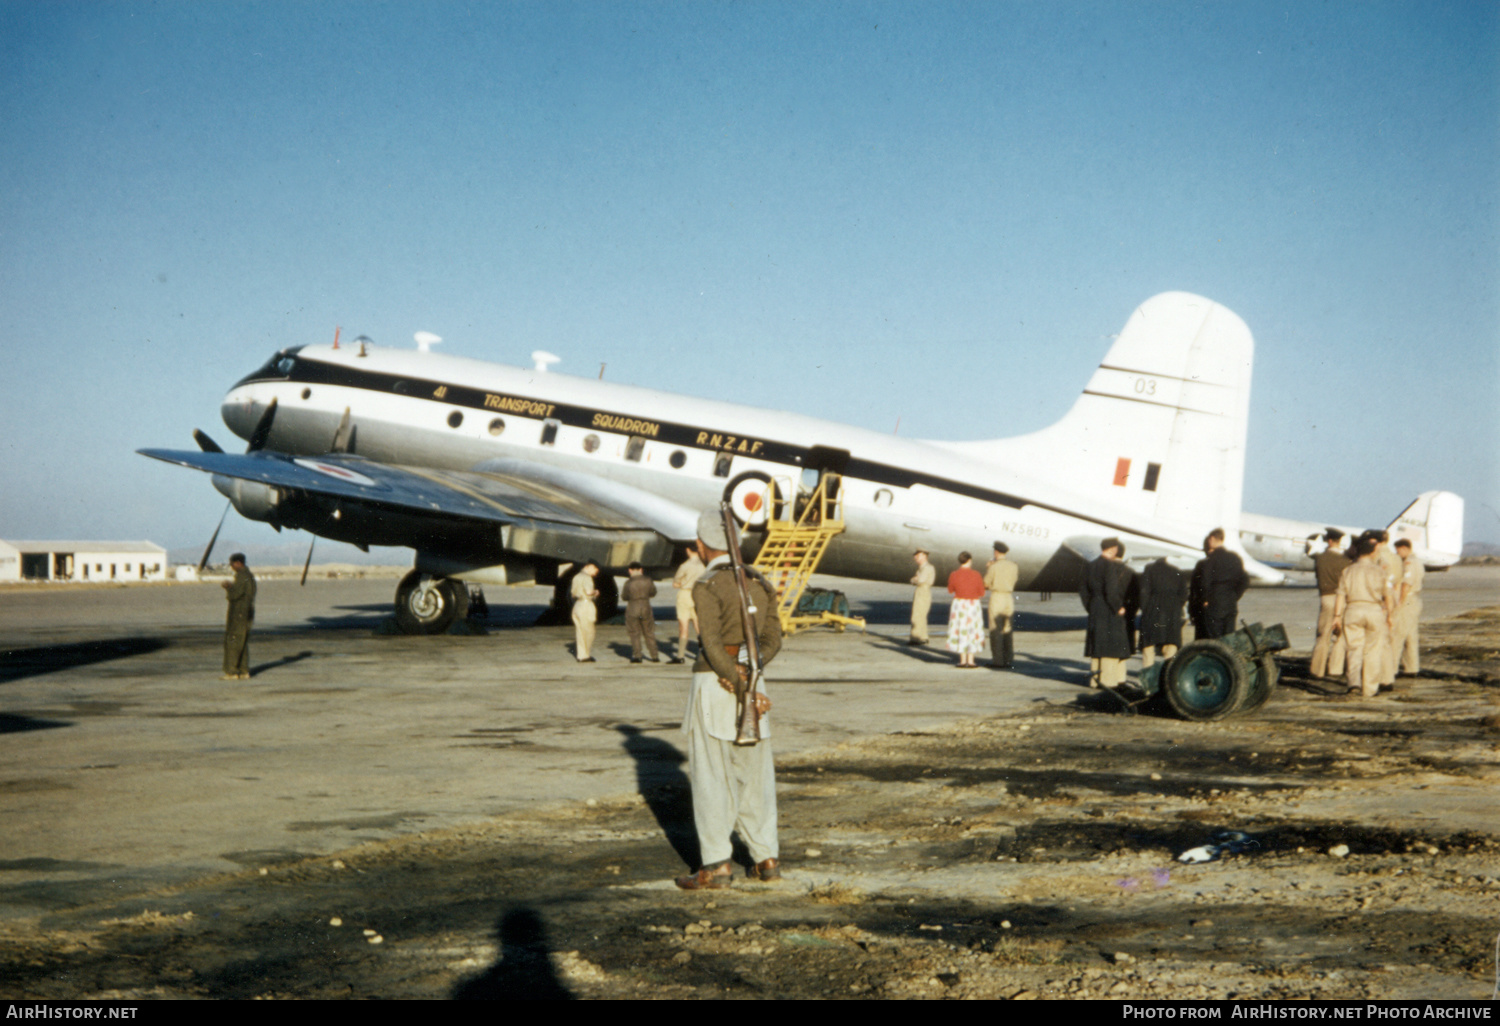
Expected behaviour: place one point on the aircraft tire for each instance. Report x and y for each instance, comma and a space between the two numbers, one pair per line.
1205, 681
430, 610
1262, 683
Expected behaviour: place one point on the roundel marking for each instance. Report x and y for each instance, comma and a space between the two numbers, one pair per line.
747, 495
336, 472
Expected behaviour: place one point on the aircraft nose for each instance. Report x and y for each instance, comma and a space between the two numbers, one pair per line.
238, 411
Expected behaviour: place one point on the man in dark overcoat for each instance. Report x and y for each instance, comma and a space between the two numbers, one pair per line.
1224, 581
1104, 590
1164, 590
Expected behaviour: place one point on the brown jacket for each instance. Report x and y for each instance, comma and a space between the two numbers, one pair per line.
716, 598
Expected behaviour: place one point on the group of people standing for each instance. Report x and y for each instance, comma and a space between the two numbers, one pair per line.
1113, 594
1368, 610
640, 622
967, 622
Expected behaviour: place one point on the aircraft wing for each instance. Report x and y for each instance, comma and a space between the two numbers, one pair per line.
523, 500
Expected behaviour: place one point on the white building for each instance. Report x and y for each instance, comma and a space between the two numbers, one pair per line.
82, 561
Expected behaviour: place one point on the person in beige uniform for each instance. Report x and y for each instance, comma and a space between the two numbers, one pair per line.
1362, 611
1000, 580
1329, 565
584, 613
1408, 610
921, 600
683, 580
1393, 572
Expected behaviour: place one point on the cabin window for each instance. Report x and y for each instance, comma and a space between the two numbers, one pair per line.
721, 464
1153, 471
497, 426
307, 393
677, 459
549, 431
591, 443
883, 497
635, 448
455, 419
284, 366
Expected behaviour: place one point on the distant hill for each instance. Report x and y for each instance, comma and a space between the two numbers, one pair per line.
1474, 549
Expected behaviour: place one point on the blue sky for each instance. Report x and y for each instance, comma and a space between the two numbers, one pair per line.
925, 211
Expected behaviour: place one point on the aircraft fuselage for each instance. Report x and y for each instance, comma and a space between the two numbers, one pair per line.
428, 410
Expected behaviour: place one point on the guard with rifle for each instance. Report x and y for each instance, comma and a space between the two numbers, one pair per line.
729, 749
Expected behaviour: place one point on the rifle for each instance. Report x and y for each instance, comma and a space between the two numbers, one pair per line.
746, 683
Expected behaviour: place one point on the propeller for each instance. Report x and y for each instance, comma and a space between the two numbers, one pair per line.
257, 442
343, 438
308, 563
204, 561
263, 428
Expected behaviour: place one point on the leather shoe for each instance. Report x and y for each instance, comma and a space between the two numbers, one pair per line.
709, 878
768, 871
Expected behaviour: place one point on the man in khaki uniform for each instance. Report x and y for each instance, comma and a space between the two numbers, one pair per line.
921, 600
683, 580
1329, 565
584, 612
1408, 610
1000, 579
1391, 563
734, 785
1362, 611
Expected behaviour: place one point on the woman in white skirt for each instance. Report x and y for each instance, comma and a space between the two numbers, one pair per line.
965, 615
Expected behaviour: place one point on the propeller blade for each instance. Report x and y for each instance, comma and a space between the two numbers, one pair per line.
309, 561
204, 561
263, 428
344, 436
204, 442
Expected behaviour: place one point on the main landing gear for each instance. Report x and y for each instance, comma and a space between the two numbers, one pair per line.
428, 605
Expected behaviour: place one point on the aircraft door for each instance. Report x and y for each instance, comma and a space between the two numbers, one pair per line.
822, 468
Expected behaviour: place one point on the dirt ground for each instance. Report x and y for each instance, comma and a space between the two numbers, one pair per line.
1023, 856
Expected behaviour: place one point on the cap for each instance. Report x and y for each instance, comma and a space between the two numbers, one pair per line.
711, 530
1001, 547
238, 557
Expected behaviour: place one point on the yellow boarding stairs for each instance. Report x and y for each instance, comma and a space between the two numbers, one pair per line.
797, 535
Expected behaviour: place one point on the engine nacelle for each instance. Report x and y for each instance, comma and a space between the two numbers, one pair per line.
253, 500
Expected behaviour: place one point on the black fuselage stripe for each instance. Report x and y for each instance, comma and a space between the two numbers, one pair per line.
314, 372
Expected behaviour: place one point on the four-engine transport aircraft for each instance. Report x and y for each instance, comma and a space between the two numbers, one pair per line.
500, 475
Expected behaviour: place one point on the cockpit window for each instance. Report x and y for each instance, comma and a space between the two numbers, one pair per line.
277, 368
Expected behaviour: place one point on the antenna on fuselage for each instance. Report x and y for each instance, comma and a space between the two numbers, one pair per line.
543, 359
425, 341
364, 342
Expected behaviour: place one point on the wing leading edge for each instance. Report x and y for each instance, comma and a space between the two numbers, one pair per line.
534, 514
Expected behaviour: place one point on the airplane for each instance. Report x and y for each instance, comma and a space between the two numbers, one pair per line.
508, 475
1433, 523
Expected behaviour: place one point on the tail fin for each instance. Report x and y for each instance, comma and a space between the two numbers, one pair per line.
1434, 524
1160, 430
